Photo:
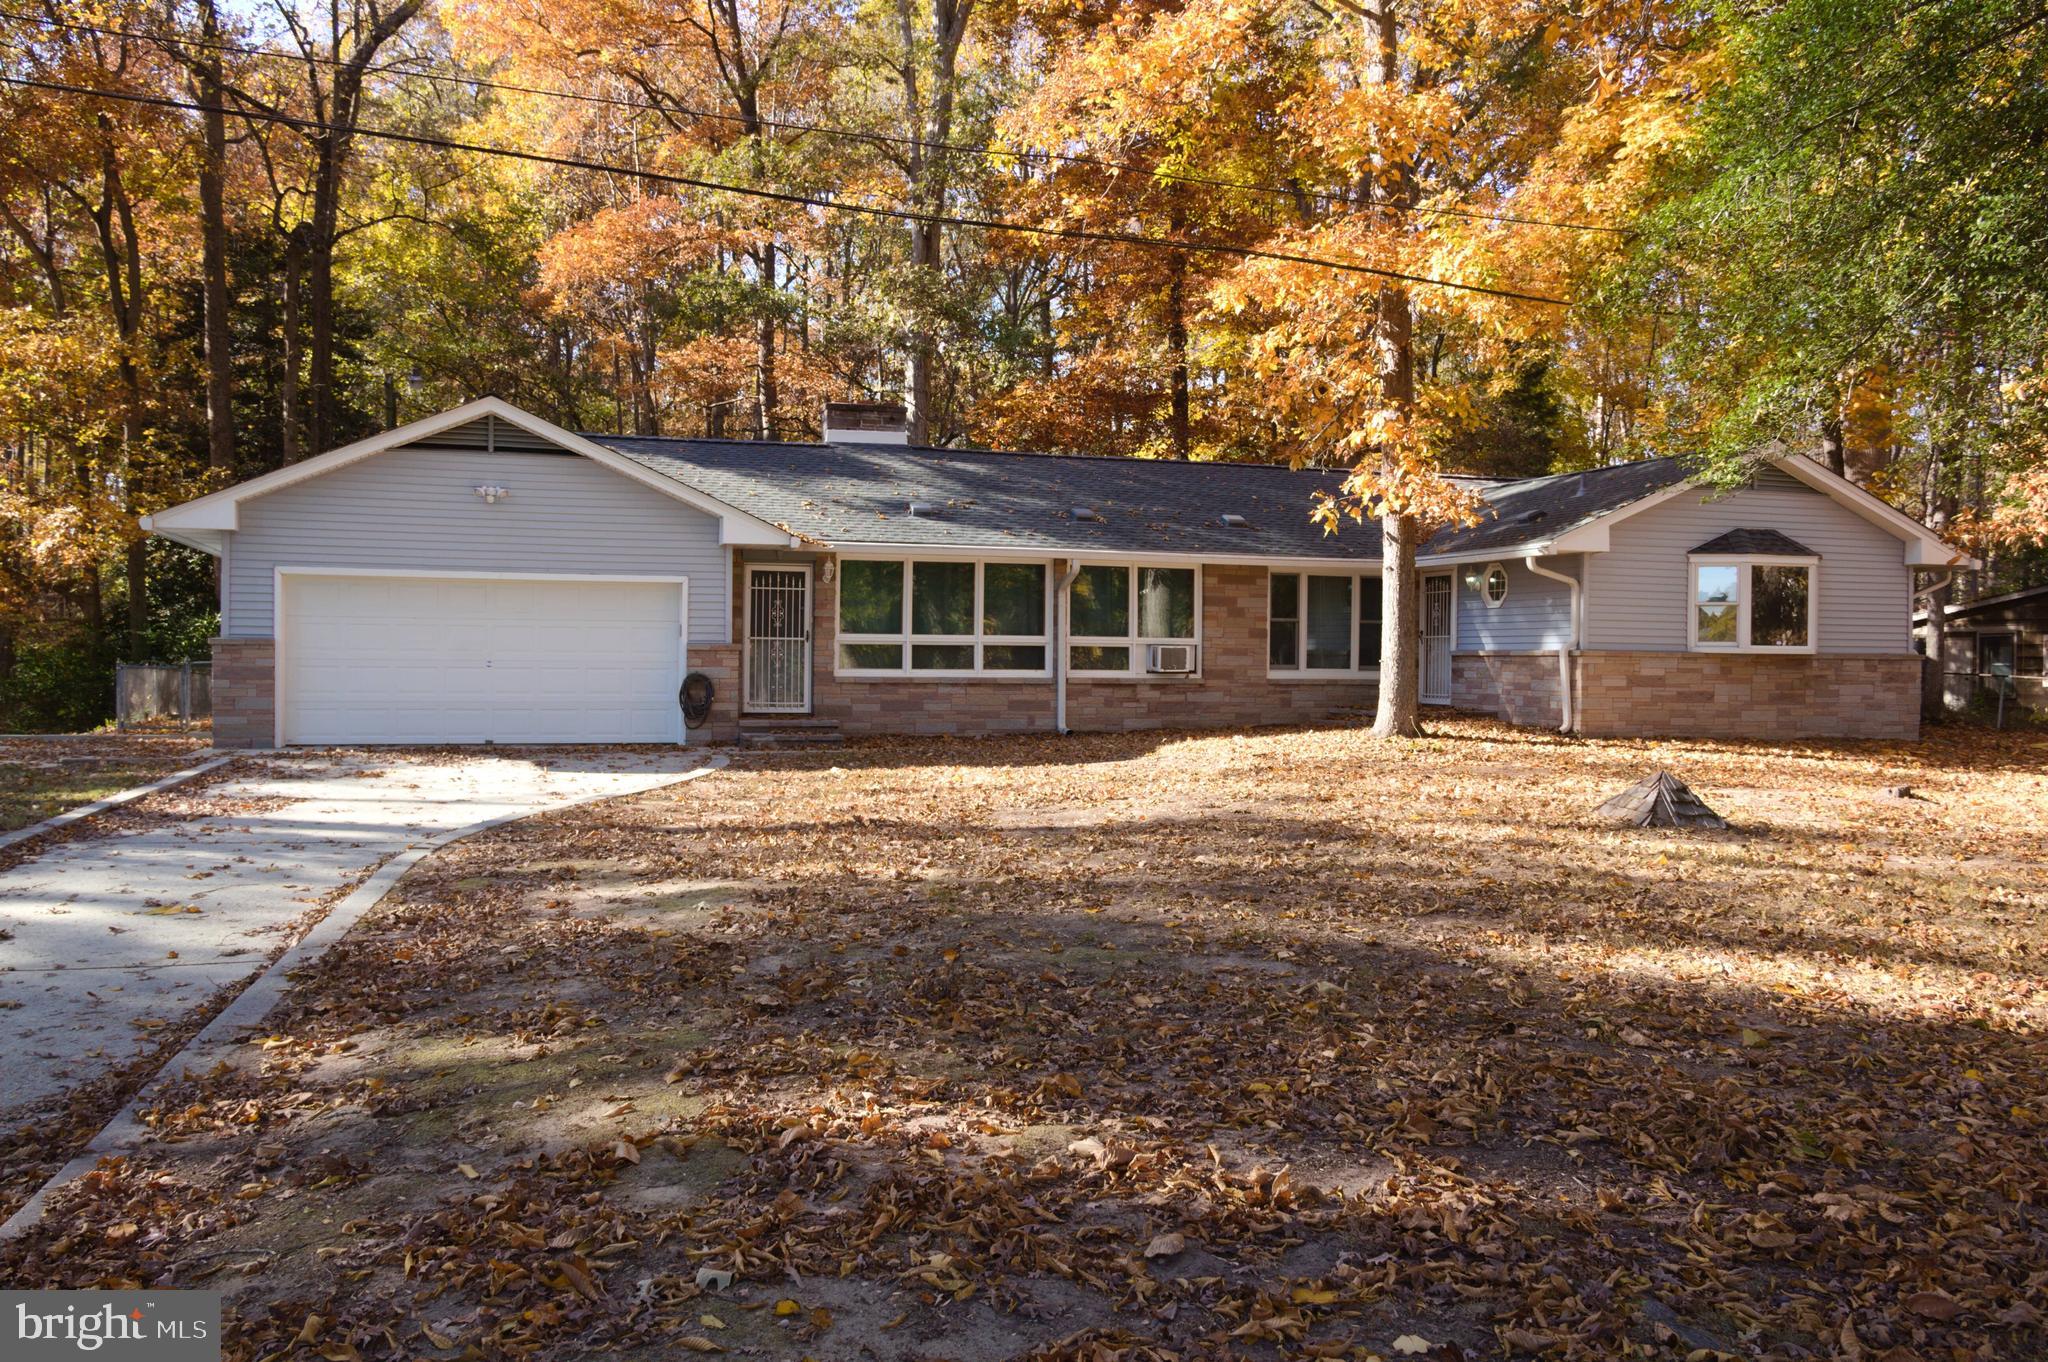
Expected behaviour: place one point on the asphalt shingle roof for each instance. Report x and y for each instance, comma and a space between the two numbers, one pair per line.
1757, 541
1532, 510
845, 493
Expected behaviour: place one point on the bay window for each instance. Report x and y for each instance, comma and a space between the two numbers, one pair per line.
1752, 604
942, 617
1115, 612
1322, 622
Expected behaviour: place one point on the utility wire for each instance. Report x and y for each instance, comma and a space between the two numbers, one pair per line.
823, 129
800, 200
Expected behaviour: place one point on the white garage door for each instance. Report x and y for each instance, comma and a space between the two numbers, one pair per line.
464, 660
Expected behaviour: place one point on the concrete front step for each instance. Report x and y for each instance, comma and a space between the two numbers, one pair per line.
766, 731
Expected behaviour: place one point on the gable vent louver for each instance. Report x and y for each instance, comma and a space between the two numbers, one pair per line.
489, 435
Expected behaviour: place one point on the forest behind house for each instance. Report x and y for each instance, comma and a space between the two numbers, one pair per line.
1483, 236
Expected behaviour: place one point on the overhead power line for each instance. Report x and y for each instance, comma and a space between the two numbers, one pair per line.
1191, 247
1287, 192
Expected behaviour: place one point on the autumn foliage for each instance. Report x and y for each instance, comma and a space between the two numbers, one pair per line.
1486, 237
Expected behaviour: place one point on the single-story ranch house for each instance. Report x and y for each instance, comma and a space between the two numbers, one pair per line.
485, 576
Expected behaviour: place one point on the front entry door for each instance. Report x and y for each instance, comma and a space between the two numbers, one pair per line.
778, 653
1436, 640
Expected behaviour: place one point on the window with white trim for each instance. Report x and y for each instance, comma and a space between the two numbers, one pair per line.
1493, 586
1760, 605
1116, 611
942, 617
1319, 622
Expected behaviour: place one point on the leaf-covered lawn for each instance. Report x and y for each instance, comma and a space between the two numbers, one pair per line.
41, 778
1281, 1045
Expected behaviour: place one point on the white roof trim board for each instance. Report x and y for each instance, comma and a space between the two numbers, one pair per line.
198, 522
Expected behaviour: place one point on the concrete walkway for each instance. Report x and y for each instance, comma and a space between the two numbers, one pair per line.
102, 946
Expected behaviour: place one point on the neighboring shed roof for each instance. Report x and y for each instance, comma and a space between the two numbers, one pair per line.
1767, 542
848, 493
854, 493
1532, 510
2026, 601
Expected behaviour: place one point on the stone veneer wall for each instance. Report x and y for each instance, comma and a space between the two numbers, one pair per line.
1748, 695
1519, 687
244, 692
721, 663
1232, 691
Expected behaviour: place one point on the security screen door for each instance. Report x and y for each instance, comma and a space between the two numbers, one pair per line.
778, 640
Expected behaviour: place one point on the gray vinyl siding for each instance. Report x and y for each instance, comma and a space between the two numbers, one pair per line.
1639, 592
418, 508
1536, 616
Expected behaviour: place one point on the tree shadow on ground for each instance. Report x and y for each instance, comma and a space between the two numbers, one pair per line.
953, 1073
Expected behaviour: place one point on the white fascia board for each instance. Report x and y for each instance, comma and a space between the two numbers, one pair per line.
220, 510
1923, 547
1500, 553
206, 541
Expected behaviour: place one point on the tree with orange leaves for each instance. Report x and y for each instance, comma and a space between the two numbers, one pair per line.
1441, 143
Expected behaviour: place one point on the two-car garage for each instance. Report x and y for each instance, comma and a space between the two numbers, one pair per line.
386, 657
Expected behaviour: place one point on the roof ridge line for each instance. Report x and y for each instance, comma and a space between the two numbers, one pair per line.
946, 450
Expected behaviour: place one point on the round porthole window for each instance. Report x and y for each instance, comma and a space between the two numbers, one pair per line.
1494, 586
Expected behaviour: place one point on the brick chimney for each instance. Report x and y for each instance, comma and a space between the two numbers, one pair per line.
865, 423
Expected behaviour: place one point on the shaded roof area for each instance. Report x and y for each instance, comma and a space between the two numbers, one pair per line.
1757, 541
1531, 510
856, 493
861, 494
2026, 598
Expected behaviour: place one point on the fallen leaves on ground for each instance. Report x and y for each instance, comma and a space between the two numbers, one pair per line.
1152, 1047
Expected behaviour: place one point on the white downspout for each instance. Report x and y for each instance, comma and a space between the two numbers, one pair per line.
1927, 593
1571, 643
1059, 657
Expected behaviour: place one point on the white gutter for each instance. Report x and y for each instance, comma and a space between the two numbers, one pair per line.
1011, 552
1059, 658
1571, 643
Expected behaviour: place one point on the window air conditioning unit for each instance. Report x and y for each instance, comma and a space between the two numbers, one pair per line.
1173, 658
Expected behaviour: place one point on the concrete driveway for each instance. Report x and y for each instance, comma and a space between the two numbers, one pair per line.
108, 939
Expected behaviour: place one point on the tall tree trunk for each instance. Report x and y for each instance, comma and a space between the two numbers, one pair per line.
1177, 350
213, 243
335, 80
765, 398
320, 297
921, 348
120, 246
1831, 445
925, 171
1934, 671
1940, 510
138, 600
650, 354
291, 447
1398, 713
